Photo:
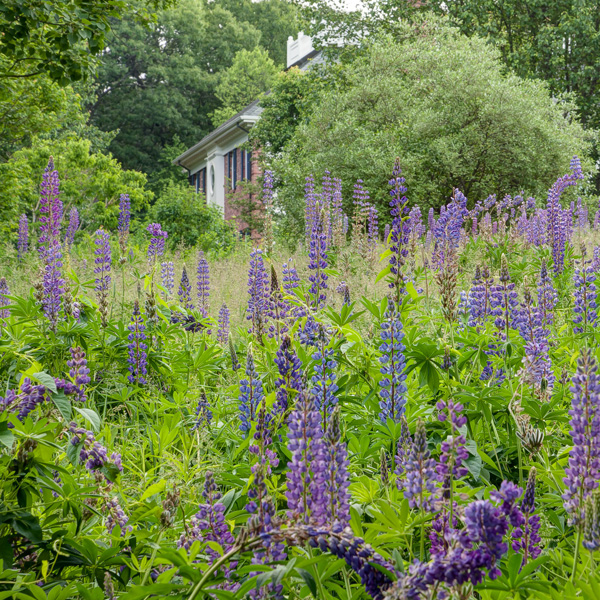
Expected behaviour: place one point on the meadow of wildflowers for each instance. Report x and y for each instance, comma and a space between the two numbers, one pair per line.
405, 408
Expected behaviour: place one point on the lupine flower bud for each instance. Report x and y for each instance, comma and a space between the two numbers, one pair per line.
138, 358
23, 242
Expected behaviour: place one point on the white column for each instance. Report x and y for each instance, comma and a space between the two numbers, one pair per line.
215, 179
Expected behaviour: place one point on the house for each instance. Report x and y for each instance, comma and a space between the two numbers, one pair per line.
218, 163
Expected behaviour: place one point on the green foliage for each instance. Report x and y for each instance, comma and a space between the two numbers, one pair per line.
442, 103
33, 106
184, 214
247, 79
59, 39
275, 19
91, 181
159, 80
294, 94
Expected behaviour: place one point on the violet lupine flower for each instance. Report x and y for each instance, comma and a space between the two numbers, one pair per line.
52, 284
167, 274
596, 259
72, 228
279, 309
399, 234
581, 216
306, 475
393, 364
583, 473
386, 234
223, 328
29, 397
258, 290
124, 221
290, 277
203, 412
79, 374
558, 221
337, 497
289, 382
203, 284
103, 263
526, 537
116, 516
51, 209
337, 214
324, 386
185, 291
157, 242
504, 300
415, 222
585, 296
431, 219
547, 299
208, 524
447, 230
454, 451
4, 301
251, 395
479, 298
310, 206
23, 242
138, 358
318, 263
528, 320
416, 470
92, 452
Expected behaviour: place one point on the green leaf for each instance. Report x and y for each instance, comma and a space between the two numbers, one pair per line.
63, 404
6, 435
89, 415
28, 526
46, 380
155, 488
309, 580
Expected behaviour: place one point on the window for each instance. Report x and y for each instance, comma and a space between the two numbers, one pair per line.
234, 179
248, 166
243, 164
229, 156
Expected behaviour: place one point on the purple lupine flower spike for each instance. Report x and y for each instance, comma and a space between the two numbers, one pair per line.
399, 234
50, 208
72, 228
124, 221
526, 537
337, 497
93, 454
23, 242
157, 242
203, 284
203, 412
4, 301
504, 301
79, 374
591, 529
116, 516
223, 329
289, 382
102, 269
547, 299
318, 262
585, 294
167, 275
138, 358
185, 291
258, 290
583, 473
53, 284
454, 451
306, 475
417, 470
393, 363
251, 394
310, 206
324, 386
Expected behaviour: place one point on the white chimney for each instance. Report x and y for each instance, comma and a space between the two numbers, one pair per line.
298, 49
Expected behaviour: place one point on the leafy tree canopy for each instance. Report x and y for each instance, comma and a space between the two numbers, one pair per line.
250, 76
59, 39
161, 80
443, 103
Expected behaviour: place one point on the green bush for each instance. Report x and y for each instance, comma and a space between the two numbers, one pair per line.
446, 106
184, 214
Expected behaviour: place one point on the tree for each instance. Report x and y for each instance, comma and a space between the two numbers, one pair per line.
250, 76
59, 39
294, 93
442, 103
90, 181
158, 81
275, 19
